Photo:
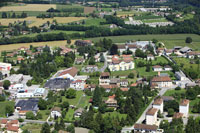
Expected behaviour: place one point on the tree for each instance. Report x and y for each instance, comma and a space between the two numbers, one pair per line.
45, 128
1, 76
30, 115
114, 49
92, 61
178, 88
170, 112
2, 98
71, 128
154, 40
68, 40
42, 104
29, 83
4, 15
188, 40
71, 93
9, 110
65, 105
131, 75
6, 84
97, 97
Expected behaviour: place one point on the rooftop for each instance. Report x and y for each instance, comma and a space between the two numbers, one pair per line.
72, 71
105, 74
145, 127
151, 111
28, 105
161, 79
39, 90
177, 115
158, 101
184, 102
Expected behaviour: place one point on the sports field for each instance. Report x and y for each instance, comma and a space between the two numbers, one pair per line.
36, 44
28, 7
170, 40
33, 21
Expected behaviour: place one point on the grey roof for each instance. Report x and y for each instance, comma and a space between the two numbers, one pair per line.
114, 81
180, 74
164, 74
28, 105
185, 49
57, 83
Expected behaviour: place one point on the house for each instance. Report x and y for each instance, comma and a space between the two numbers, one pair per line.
78, 112
65, 50
23, 48
168, 51
151, 116
90, 68
184, 50
104, 78
150, 57
115, 81
177, 47
184, 107
145, 128
197, 82
5, 69
79, 60
118, 64
58, 84
83, 43
160, 51
97, 57
121, 48
26, 106
132, 47
90, 87
124, 89
193, 54
164, 81
157, 68
111, 102
167, 68
16, 86
10, 126
20, 59
55, 112
109, 87
69, 73
39, 92
180, 76
15, 78
158, 104
167, 98
124, 82
177, 115
77, 84
3, 123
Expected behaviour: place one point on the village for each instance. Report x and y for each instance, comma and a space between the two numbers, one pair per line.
128, 68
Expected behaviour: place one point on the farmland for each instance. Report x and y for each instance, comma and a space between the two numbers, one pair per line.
170, 40
33, 21
36, 44
28, 7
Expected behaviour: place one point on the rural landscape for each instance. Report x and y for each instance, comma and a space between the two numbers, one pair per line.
114, 66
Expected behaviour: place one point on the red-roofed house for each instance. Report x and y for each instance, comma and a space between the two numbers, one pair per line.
151, 116
158, 104
111, 102
78, 85
162, 81
184, 107
67, 73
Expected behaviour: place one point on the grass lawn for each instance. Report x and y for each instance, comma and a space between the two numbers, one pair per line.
171, 92
73, 101
63, 7
33, 127
142, 72
45, 114
121, 73
115, 114
84, 101
69, 115
186, 63
154, 20
170, 40
3, 106
154, 62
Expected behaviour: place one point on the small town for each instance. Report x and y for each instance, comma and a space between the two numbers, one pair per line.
99, 66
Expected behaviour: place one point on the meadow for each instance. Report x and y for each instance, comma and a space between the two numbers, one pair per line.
170, 40
35, 44
28, 7
33, 21
3, 106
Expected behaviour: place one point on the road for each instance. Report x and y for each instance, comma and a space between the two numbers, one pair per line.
105, 63
142, 117
34, 121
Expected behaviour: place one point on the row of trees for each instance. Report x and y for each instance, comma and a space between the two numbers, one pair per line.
14, 15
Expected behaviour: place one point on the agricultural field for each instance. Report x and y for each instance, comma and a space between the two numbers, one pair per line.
170, 40
33, 21
28, 7
88, 10
94, 21
35, 44
33, 128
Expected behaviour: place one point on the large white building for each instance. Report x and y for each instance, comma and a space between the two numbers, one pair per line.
158, 104
151, 116
184, 107
78, 85
5, 68
55, 112
121, 64
162, 81
180, 76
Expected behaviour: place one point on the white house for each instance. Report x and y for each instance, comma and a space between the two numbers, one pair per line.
17, 86
69, 73
180, 76
162, 81
168, 51
157, 68
78, 85
184, 107
55, 112
158, 104
150, 57
5, 66
39, 92
78, 112
24, 95
191, 55
151, 116
104, 78
167, 68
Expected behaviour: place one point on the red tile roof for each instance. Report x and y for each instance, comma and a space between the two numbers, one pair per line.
177, 115
103, 74
4, 121
72, 71
161, 79
124, 89
184, 102
151, 111
145, 127
158, 101
12, 128
14, 122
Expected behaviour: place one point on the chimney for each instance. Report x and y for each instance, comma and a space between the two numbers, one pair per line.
159, 73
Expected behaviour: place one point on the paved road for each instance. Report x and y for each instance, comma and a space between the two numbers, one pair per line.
142, 117
34, 121
105, 63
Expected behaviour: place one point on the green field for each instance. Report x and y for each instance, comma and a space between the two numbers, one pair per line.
154, 62
154, 20
33, 127
185, 62
3, 106
94, 21
29, 13
70, 114
170, 40
171, 92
